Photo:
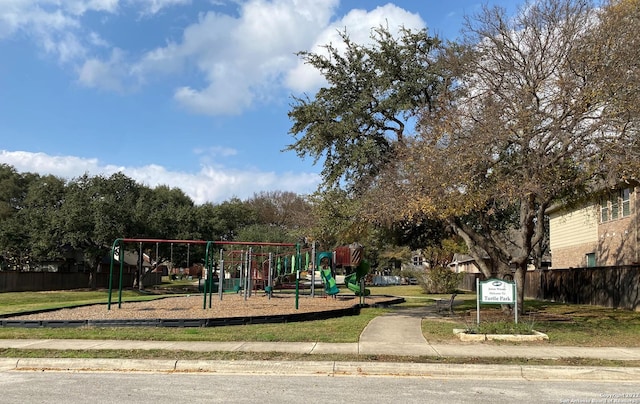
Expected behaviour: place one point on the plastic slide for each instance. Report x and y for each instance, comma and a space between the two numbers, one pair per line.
353, 280
330, 286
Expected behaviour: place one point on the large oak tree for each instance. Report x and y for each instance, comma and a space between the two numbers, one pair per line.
357, 121
527, 126
96, 211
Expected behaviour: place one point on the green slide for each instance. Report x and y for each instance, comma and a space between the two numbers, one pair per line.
324, 264
330, 286
353, 280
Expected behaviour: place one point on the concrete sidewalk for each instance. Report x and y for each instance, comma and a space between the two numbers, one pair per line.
335, 368
396, 334
368, 348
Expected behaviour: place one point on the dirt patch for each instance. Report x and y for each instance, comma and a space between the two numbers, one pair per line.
194, 307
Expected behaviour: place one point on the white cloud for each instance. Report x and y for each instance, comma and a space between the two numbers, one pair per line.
54, 26
154, 6
210, 184
358, 25
108, 75
216, 151
241, 59
66, 46
57, 27
221, 64
61, 166
220, 98
79, 7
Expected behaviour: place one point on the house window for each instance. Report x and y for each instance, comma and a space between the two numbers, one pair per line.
604, 210
615, 205
417, 261
625, 197
591, 260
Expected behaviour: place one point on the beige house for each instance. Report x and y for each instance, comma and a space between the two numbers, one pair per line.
463, 263
601, 232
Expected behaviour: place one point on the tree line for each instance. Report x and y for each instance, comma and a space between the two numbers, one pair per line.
44, 218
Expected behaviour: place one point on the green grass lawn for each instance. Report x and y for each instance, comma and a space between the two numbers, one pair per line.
564, 324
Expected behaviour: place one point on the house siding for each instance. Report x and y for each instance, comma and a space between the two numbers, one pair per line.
573, 228
575, 234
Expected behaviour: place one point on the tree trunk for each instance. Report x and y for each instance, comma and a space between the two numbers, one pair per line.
520, 279
93, 275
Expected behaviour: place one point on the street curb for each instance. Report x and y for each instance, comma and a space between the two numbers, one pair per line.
326, 368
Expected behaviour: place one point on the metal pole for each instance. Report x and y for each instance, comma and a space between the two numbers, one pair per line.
221, 275
206, 280
141, 267
121, 256
241, 280
113, 253
515, 293
246, 275
211, 272
270, 280
249, 271
478, 300
313, 269
297, 274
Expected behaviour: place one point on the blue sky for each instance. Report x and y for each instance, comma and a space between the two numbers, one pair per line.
191, 94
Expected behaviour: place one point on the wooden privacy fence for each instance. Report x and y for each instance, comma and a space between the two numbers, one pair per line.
617, 287
11, 281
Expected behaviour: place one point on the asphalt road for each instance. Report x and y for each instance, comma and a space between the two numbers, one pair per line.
164, 388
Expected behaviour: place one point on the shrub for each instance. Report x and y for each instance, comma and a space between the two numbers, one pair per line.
441, 280
501, 327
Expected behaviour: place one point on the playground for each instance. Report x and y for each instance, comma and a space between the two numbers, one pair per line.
190, 307
249, 281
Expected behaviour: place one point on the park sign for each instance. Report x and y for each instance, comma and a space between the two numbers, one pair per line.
496, 291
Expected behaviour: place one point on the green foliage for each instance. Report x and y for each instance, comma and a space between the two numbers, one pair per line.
46, 218
419, 233
337, 220
266, 233
357, 120
393, 256
441, 254
501, 327
228, 217
165, 213
440, 280
13, 237
278, 208
41, 217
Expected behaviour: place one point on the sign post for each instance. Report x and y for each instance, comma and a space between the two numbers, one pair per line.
496, 291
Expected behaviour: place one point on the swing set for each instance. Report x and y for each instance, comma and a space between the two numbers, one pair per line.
239, 260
